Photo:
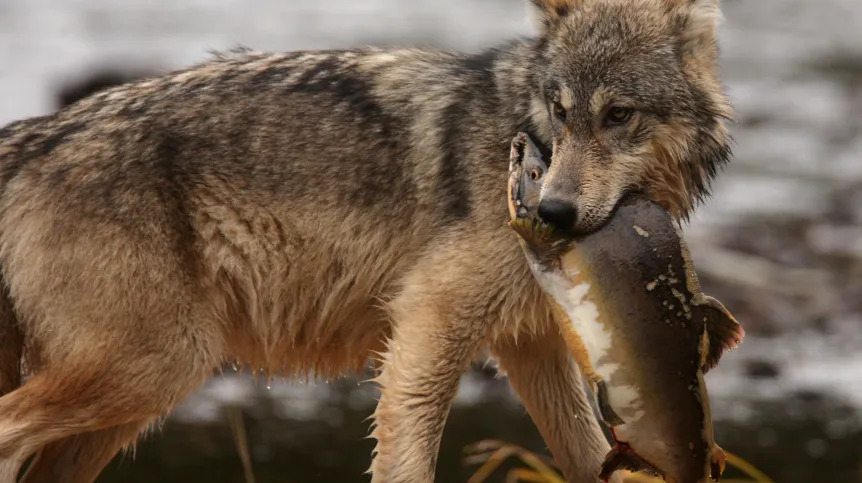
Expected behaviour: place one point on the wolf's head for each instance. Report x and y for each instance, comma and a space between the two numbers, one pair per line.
627, 92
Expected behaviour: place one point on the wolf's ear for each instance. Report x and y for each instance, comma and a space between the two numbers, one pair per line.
549, 12
701, 19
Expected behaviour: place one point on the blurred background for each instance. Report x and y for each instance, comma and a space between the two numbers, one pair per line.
780, 243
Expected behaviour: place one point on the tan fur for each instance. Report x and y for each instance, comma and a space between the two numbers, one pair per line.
550, 11
669, 179
11, 350
81, 457
230, 298
549, 383
304, 212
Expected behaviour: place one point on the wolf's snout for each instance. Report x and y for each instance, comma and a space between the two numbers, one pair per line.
559, 214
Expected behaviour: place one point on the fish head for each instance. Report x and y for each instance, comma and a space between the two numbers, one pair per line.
542, 243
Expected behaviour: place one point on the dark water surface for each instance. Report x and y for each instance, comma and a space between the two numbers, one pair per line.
805, 438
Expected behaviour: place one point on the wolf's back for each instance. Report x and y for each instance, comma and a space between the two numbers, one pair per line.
386, 145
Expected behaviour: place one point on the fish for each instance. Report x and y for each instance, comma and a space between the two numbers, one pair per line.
634, 317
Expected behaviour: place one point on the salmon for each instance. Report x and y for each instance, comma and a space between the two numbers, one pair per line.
630, 306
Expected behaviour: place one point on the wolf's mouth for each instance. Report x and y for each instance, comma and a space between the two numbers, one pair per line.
627, 195
527, 170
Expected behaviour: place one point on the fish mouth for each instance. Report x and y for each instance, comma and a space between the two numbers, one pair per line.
527, 170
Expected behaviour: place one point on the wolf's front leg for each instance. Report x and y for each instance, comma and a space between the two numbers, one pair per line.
431, 347
549, 383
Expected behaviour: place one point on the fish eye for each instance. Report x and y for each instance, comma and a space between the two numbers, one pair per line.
559, 111
618, 115
535, 175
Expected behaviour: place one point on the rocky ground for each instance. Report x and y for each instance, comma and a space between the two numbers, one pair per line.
780, 243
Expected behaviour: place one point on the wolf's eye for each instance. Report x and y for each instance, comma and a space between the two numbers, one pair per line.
560, 111
618, 115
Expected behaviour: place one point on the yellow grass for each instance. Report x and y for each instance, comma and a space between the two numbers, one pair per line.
491, 454
237, 425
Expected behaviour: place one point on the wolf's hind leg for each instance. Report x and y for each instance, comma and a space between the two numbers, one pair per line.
80, 458
549, 383
64, 400
431, 348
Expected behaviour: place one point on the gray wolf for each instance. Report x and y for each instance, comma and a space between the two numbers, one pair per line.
305, 211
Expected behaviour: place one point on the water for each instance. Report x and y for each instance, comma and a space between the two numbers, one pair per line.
780, 243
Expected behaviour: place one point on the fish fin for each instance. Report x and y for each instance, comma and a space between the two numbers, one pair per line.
724, 332
718, 460
532, 230
621, 457
609, 416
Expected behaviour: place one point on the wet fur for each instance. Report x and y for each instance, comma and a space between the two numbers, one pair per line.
306, 211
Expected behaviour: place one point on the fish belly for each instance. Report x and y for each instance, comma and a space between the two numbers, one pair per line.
641, 436
585, 323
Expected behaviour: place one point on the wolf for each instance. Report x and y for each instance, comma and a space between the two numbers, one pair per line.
308, 211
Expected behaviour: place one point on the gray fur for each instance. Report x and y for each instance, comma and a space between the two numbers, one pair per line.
304, 211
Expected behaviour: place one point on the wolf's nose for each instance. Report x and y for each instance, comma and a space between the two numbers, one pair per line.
559, 214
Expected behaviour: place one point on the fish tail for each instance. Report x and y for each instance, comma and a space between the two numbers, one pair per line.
622, 457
